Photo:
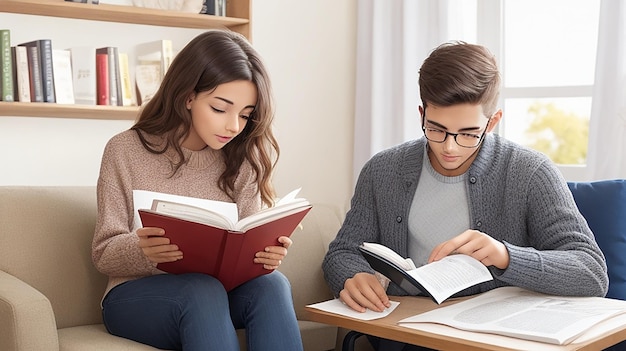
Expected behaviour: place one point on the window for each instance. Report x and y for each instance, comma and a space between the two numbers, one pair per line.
547, 52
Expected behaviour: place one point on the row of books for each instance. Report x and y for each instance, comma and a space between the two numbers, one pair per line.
209, 7
34, 71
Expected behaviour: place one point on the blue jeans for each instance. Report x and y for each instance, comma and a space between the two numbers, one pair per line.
193, 312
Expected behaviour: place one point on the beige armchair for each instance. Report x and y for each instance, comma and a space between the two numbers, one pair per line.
50, 291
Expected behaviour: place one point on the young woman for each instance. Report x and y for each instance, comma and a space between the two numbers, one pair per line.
206, 133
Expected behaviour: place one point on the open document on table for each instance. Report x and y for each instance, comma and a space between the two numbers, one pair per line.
524, 314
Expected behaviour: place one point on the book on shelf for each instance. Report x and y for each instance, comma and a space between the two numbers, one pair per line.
127, 90
84, 74
63, 83
102, 79
523, 314
115, 86
22, 79
42, 59
156, 52
212, 238
148, 80
7, 91
153, 59
214, 7
34, 74
439, 279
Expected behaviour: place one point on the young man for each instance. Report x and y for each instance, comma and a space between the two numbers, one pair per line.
462, 189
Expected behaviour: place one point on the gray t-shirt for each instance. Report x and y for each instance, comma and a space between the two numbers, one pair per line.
439, 211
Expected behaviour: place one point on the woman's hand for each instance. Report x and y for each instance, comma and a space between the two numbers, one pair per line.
479, 245
156, 247
272, 257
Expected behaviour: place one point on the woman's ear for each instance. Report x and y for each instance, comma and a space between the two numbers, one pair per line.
190, 100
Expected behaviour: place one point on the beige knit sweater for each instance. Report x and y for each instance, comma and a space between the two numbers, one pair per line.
126, 166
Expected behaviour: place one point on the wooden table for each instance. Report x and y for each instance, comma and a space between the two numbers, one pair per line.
441, 337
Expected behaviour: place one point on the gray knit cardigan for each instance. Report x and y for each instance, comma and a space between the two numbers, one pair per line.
515, 195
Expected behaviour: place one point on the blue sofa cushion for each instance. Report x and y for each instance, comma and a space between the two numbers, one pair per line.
603, 204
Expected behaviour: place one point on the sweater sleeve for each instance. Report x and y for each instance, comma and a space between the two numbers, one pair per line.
561, 255
115, 250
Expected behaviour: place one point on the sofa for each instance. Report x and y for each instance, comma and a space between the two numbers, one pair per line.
50, 291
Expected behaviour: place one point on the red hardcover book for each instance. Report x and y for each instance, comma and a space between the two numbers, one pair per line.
222, 251
102, 79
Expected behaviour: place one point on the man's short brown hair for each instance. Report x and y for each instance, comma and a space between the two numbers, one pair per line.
458, 72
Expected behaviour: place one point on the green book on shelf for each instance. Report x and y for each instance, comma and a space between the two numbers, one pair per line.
7, 92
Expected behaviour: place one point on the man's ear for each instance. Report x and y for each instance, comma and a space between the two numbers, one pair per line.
495, 119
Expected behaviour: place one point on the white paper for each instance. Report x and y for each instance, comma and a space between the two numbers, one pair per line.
524, 314
338, 307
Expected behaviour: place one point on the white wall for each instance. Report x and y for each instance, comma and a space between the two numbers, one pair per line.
309, 48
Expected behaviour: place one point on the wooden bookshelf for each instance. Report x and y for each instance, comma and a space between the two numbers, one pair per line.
44, 109
238, 20
129, 14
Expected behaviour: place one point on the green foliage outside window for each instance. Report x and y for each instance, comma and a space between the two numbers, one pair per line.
561, 135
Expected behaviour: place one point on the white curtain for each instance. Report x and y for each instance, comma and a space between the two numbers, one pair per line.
393, 38
607, 131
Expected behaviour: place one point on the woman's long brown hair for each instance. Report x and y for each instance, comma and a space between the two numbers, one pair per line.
210, 59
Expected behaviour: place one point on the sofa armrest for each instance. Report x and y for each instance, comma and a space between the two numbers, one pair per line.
26, 317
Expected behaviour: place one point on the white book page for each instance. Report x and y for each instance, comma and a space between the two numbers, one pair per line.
269, 214
143, 200
450, 275
524, 314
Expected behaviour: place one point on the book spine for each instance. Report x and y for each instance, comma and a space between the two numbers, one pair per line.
84, 75
22, 80
113, 73
102, 79
34, 73
6, 66
127, 94
47, 71
62, 68
117, 78
112, 69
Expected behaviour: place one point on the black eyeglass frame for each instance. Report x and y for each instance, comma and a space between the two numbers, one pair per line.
454, 135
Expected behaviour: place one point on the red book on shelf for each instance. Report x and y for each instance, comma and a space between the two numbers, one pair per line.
102, 79
225, 252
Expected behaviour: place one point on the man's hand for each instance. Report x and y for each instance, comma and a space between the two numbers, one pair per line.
273, 256
156, 247
479, 245
363, 291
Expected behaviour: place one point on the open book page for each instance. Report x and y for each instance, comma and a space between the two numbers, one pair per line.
450, 275
519, 313
217, 213
440, 279
144, 199
271, 213
191, 213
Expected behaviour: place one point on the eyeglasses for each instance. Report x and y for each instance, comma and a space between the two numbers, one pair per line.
468, 140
